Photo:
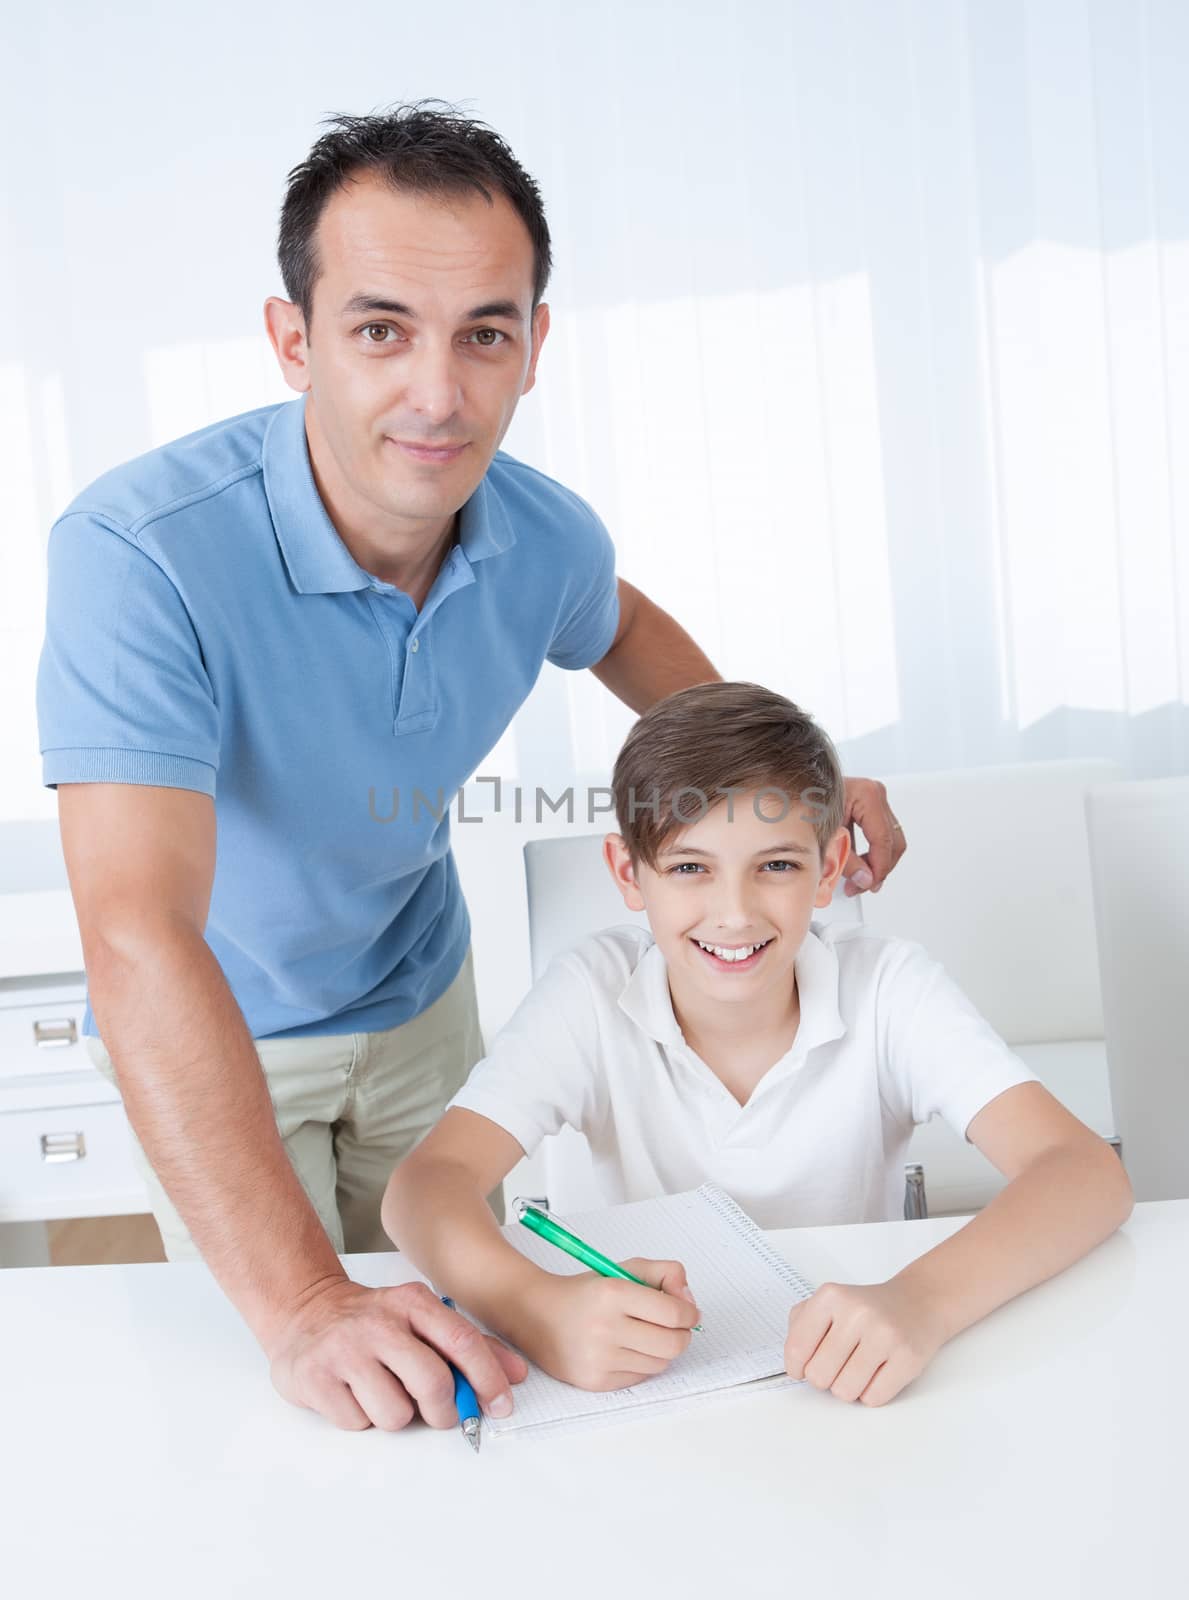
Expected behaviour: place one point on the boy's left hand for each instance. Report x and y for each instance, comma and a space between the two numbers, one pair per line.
862, 1341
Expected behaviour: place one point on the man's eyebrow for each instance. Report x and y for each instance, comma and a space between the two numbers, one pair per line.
370, 304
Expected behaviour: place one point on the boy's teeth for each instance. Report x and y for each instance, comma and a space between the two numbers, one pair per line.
724, 954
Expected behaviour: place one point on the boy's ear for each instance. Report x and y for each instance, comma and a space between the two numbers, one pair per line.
619, 865
833, 860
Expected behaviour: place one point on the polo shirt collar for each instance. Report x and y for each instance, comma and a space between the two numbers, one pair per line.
317, 559
647, 1001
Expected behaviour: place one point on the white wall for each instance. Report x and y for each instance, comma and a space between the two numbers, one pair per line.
871, 328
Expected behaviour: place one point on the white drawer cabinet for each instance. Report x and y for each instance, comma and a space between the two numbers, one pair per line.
73, 1161
65, 1144
43, 1039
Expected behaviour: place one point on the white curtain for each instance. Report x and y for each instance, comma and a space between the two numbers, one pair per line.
871, 329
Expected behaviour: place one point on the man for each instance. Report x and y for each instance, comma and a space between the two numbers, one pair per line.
258, 627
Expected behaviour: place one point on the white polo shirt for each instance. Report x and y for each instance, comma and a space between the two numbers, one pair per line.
886, 1040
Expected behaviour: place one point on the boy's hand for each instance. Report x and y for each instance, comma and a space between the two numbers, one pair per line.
606, 1333
861, 1341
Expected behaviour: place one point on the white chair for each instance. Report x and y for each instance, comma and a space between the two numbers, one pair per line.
1139, 855
995, 885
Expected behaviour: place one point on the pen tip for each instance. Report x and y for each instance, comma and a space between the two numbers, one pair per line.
473, 1441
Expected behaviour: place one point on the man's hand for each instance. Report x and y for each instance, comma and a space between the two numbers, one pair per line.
607, 1333
867, 804
378, 1357
862, 1342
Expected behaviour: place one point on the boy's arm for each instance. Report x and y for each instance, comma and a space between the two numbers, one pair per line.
595, 1332
435, 1210
1067, 1191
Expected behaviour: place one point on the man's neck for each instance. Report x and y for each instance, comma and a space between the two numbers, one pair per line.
408, 558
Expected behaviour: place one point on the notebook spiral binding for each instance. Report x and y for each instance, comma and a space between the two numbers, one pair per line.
737, 1219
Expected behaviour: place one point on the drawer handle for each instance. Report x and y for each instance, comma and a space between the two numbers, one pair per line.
62, 1030
63, 1147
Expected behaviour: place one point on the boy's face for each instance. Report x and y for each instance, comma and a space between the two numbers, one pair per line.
731, 897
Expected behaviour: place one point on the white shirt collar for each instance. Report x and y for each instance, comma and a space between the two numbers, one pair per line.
647, 1001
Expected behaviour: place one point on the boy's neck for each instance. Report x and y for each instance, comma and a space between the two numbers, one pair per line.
739, 1043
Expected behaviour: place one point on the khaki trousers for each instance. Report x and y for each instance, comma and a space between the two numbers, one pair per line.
349, 1106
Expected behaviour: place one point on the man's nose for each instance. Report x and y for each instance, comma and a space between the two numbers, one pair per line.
432, 389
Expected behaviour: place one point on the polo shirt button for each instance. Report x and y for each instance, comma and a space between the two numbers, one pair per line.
415, 646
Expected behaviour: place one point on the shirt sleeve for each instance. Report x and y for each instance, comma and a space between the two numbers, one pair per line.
941, 1056
590, 610
123, 694
542, 1072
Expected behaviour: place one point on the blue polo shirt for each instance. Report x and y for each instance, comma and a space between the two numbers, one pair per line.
208, 629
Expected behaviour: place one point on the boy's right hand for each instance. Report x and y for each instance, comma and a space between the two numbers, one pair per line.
607, 1333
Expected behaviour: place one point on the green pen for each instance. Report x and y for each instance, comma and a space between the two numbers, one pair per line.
540, 1222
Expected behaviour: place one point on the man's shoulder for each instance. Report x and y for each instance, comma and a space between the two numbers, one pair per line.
196, 467
530, 494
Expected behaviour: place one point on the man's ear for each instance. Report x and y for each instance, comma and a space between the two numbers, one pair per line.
619, 865
286, 328
540, 328
834, 859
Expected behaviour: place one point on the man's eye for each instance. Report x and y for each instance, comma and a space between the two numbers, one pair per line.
489, 338
381, 328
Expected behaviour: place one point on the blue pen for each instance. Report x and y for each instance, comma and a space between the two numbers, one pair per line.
464, 1399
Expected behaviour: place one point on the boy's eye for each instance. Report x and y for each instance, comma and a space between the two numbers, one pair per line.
780, 866
687, 868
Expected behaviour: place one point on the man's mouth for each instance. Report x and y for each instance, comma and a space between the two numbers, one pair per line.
736, 958
430, 453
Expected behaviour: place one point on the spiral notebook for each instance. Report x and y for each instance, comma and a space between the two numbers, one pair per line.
744, 1290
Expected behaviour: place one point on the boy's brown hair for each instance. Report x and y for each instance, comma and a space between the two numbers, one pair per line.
702, 745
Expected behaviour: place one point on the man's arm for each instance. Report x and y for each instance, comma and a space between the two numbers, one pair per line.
652, 656
141, 863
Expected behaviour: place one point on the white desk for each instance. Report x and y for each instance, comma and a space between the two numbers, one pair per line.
146, 1455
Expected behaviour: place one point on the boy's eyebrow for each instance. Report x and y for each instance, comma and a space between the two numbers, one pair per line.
360, 304
789, 847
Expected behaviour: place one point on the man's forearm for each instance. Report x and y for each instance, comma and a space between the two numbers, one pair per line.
199, 1103
1067, 1202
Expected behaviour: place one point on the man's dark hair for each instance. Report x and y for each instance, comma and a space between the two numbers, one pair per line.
425, 148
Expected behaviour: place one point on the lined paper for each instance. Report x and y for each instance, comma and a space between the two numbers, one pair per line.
743, 1287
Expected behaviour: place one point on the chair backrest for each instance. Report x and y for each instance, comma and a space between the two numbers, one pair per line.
996, 886
1139, 854
570, 894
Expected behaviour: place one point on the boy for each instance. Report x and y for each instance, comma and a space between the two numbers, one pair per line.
738, 1043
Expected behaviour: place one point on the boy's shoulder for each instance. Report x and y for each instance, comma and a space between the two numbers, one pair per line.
871, 963
608, 958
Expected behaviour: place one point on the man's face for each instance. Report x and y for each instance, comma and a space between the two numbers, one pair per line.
732, 895
422, 341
